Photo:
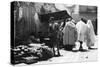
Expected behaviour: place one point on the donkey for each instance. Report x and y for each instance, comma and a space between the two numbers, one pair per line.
55, 34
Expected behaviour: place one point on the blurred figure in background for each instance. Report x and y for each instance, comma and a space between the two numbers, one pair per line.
91, 40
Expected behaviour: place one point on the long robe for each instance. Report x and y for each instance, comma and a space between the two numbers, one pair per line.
83, 31
92, 36
70, 33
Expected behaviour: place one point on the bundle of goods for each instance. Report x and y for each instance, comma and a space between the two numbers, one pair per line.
31, 54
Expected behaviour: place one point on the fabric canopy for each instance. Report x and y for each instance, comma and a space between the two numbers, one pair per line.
61, 15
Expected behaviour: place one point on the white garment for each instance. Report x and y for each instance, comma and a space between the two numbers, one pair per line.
77, 46
84, 46
92, 37
83, 34
70, 33
82, 29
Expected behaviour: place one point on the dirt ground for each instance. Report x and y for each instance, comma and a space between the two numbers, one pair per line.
68, 56
79, 56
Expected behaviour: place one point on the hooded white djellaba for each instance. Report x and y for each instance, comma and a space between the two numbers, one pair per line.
85, 34
92, 36
83, 31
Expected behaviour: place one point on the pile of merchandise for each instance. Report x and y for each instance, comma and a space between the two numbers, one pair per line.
31, 54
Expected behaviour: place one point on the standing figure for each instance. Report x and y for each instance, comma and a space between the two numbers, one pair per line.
92, 37
83, 35
70, 34
54, 33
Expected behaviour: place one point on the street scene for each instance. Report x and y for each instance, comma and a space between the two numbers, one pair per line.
48, 33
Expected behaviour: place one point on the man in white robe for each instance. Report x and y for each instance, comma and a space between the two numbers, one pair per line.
83, 30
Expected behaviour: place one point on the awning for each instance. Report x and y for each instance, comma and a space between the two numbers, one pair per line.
61, 15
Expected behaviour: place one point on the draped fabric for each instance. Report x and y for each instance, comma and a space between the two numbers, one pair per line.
25, 23
86, 33
92, 36
70, 33
83, 31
